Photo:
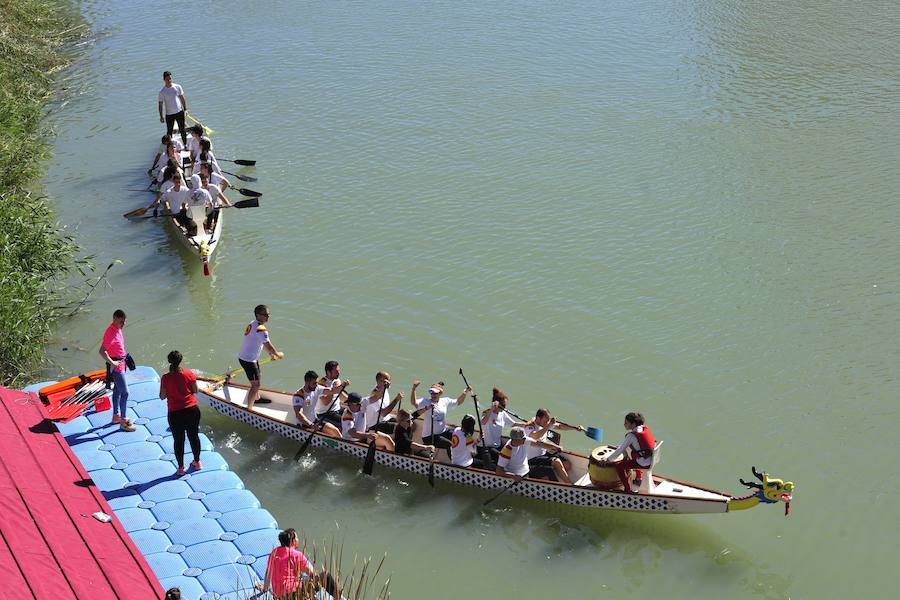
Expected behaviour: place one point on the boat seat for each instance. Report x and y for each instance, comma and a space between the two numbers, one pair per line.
584, 481
198, 215
647, 485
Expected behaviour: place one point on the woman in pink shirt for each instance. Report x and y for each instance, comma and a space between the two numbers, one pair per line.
284, 572
112, 349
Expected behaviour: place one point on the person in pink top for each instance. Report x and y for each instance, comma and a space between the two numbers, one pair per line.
112, 349
286, 566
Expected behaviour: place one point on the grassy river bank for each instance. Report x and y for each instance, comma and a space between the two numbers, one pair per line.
37, 254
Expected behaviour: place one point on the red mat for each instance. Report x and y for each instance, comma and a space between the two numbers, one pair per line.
50, 545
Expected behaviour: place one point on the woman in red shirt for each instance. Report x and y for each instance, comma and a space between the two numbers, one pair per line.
178, 387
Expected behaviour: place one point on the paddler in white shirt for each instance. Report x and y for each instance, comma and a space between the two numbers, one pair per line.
304, 401
353, 425
513, 459
493, 420
164, 143
378, 405
541, 465
436, 406
462, 444
330, 405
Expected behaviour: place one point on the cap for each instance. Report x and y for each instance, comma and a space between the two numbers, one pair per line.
516, 433
354, 398
436, 388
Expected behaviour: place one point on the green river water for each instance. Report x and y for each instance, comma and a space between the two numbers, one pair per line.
682, 208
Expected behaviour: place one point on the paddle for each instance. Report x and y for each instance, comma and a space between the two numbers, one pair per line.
206, 129
241, 191
482, 450
436, 449
241, 177
318, 422
595, 433
369, 463
503, 491
141, 213
240, 161
248, 203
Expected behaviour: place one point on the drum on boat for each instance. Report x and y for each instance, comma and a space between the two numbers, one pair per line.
603, 477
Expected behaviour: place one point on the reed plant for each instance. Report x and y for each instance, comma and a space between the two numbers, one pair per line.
37, 256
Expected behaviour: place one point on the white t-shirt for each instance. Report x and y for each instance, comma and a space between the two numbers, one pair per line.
493, 430
214, 192
162, 147
514, 459
211, 159
533, 451
169, 96
323, 405
199, 198
371, 406
440, 414
306, 401
176, 198
255, 336
462, 447
631, 444
194, 146
165, 186
353, 420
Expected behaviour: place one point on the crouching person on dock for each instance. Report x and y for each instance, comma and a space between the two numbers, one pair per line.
304, 402
178, 387
287, 567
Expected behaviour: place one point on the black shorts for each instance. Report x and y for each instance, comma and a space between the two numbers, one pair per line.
541, 467
332, 416
251, 369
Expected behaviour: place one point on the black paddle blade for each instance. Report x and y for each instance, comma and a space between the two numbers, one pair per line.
431, 472
246, 163
246, 192
503, 491
241, 177
304, 446
486, 458
248, 203
369, 463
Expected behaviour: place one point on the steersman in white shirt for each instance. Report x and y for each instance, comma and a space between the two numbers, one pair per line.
256, 337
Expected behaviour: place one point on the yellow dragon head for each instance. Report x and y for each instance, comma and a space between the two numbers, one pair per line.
769, 491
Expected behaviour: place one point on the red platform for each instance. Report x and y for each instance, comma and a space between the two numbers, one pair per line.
50, 545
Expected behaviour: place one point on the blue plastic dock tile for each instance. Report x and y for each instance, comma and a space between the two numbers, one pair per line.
123, 498
151, 470
92, 459
214, 481
86, 437
137, 452
116, 437
152, 409
190, 586
140, 374
166, 564
76, 425
102, 421
150, 541
257, 543
194, 531
233, 579
175, 510
212, 461
160, 426
168, 444
248, 519
171, 489
135, 519
143, 392
230, 500
108, 479
207, 555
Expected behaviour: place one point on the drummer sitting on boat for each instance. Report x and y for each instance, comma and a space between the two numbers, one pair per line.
514, 455
353, 425
639, 444
304, 402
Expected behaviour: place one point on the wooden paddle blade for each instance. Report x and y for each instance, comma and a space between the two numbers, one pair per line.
369, 463
246, 163
138, 212
249, 203
246, 192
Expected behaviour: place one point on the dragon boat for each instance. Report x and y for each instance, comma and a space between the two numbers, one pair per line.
592, 486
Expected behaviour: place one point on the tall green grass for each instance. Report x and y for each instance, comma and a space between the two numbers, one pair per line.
36, 255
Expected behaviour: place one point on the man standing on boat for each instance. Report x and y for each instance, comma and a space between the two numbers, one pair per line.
172, 106
256, 336
112, 349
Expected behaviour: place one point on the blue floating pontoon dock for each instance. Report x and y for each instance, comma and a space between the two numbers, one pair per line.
202, 532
